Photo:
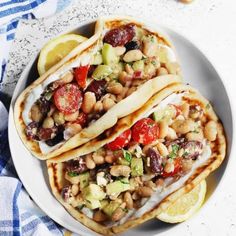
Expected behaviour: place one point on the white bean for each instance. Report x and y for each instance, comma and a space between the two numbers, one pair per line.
162, 149
120, 170
120, 50
162, 71
36, 114
169, 167
108, 103
71, 117
183, 126
171, 134
89, 162
58, 118
150, 46
98, 106
75, 189
195, 136
129, 69
48, 123
133, 55
163, 125
128, 200
99, 216
98, 159
118, 214
210, 130
88, 102
114, 88
145, 191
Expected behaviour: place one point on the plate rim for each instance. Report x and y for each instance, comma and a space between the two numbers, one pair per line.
163, 27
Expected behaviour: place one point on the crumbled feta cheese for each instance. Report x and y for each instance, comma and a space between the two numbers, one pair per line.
101, 180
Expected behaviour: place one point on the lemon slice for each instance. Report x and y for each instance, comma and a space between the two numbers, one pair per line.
56, 49
185, 206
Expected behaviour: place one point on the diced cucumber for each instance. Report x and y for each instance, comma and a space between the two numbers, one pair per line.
166, 113
109, 55
117, 187
138, 65
111, 207
104, 203
149, 69
101, 72
93, 204
97, 59
136, 167
84, 180
117, 68
93, 192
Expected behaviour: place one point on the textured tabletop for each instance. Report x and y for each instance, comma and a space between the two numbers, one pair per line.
210, 24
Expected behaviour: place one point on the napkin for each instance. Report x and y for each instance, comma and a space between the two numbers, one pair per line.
12, 11
19, 215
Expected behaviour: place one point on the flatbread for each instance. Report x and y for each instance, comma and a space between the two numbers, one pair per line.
109, 119
218, 148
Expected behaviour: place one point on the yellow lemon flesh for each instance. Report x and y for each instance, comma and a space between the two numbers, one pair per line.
185, 206
56, 49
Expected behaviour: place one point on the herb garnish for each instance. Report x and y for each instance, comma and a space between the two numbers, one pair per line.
122, 180
126, 210
175, 149
72, 174
185, 154
127, 155
153, 62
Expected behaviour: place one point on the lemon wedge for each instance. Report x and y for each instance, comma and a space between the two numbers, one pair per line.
185, 206
56, 49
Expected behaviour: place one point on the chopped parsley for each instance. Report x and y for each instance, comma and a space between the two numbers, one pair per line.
126, 210
122, 180
175, 149
127, 155
153, 62
185, 154
72, 174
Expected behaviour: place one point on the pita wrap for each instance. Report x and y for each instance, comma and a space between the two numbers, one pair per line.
140, 75
195, 152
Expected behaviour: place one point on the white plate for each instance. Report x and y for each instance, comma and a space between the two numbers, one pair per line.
197, 70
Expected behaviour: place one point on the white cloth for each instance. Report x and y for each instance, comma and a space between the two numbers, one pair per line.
19, 215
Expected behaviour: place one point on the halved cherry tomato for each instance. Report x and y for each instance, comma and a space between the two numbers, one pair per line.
82, 119
121, 141
177, 169
68, 98
137, 74
81, 75
145, 131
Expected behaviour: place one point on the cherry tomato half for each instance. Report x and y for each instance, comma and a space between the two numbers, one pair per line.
145, 131
81, 75
177, 169
68, 98
121, 141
